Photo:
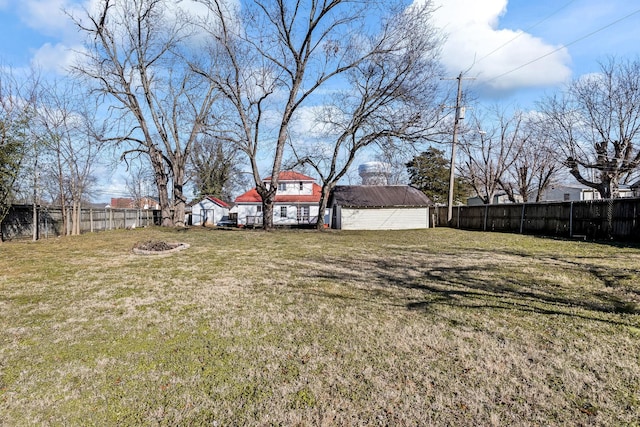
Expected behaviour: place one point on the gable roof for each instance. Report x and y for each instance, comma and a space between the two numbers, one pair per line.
211, 199
218, 201
291, 176
378, 196
252, 196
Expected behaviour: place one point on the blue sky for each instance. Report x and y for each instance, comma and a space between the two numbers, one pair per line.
489, 39
516, 50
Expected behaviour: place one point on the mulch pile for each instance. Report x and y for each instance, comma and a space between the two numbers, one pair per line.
155, 246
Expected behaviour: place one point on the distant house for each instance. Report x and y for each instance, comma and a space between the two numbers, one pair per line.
497, 199
121, 203
577, 192
147, 203
635, 189
209, 211
129, 203
378, 207
296, 202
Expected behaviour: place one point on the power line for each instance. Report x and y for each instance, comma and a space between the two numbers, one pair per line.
526, 30
566, 45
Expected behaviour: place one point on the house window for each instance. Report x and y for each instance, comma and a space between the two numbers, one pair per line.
567, 197
283, 211
282, 186
301, 186
259, 209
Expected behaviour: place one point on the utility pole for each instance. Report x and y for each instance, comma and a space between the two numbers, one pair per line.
459, 116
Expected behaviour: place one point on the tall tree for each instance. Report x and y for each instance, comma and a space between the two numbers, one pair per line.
282, 56
70, 136
215, 168
535, 169
390, 98
17, 105
489, 149
595, 124
429, 172
139, 181
137, 54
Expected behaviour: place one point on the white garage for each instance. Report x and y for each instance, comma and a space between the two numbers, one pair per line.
384, 207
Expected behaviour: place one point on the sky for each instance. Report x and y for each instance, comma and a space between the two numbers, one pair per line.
509, 51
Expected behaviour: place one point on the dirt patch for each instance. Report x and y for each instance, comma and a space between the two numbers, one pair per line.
155, 247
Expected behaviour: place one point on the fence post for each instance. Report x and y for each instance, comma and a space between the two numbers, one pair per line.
486, 214
522, 219
571, 220
91, 220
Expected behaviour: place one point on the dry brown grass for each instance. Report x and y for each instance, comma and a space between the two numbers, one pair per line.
439, 327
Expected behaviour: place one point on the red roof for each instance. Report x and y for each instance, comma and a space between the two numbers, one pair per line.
218, 201
291, 176
252, 196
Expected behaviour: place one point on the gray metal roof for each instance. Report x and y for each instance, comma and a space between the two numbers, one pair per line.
378, 196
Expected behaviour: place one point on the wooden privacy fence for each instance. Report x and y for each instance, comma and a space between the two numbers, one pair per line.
617, 219
18, 224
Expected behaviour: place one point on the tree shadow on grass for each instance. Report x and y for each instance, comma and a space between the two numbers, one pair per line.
487, 283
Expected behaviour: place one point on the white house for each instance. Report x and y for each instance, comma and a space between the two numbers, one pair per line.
378, 207
296, 202
577, 192
209, 211
635, 189
499, 198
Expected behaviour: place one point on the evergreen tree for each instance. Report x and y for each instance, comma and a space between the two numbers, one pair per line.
429, 172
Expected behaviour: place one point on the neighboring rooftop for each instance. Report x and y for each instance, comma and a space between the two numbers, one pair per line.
378, 196
291, 176
252, 196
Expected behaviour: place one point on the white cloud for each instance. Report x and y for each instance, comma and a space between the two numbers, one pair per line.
56, 58
46, 16
496, 57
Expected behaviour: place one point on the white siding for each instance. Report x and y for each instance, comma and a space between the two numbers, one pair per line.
290, 219
209, 212
293, 188
247, 210
384, 218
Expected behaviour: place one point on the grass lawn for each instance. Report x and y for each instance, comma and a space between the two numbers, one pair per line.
430, 327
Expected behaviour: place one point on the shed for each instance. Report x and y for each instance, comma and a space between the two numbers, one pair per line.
379, 207
209, 211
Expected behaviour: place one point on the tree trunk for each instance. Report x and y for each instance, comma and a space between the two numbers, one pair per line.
162, 184
78, 220
322, 206
267, 214
178, 197
34, 236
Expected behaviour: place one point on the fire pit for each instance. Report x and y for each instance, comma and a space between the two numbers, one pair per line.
157, 247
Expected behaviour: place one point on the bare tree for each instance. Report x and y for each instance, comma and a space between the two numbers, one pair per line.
137, 53
139, 181
70, 136
282, 56
489, 149
535, 169
390, 100
596, 125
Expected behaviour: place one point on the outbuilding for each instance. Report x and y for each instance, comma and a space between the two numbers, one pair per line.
378, 207
209, 211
